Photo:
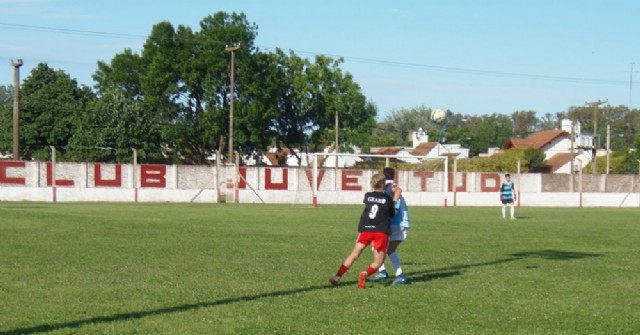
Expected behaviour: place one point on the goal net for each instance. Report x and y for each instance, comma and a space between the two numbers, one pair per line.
333, 178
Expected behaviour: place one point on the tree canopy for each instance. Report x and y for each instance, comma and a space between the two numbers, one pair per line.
182, 79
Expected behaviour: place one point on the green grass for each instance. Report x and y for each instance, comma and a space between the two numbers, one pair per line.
264, 269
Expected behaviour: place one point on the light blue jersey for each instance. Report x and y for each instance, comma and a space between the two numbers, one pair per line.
506, 190
402, 211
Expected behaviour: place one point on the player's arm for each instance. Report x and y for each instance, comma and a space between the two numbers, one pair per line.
392, 210
397, 192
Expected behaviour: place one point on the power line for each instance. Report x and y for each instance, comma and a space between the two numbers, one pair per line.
428, 67
68, 31
473, 71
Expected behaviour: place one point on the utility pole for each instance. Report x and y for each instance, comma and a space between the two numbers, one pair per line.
337, 138
337, 129
631, 85
16, 108
595, 105
232, 49
573, 159
608, 148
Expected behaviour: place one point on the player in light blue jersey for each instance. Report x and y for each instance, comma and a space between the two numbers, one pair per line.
400, 225
508, 196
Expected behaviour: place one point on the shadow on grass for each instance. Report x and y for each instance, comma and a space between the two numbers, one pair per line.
420, 276
450, 271
141, 314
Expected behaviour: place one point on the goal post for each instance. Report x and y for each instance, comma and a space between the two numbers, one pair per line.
422, 166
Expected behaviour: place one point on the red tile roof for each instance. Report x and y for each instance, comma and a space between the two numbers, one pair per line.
536, 140
559, 160
386, 150
423, 148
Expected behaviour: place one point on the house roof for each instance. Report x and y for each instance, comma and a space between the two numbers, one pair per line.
423, 148
537, 140
559, 160
386, 150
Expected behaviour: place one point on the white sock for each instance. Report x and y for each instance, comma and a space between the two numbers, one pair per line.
513, 211
382, 268
503, 211
395, 261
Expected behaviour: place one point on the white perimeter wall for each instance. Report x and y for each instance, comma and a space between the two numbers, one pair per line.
33, 181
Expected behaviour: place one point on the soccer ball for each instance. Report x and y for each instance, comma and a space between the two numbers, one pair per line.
438, 115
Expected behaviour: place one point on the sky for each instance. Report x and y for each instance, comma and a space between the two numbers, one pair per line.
469, 56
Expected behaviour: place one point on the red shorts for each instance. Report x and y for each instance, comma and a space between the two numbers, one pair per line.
380, 240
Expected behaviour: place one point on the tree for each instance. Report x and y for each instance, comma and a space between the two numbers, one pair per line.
533, 160
6, 118
183, 77
524, 123
629, 162
51, 105
550, 121
111, 127
489, 131
401, 122
334, 92
6, 95
458, 130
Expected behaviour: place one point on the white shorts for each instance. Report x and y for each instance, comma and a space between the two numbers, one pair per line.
398, 233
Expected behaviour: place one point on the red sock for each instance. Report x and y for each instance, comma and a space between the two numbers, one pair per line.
370, 271
342, 270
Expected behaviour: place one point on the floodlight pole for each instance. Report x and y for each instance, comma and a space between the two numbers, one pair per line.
232, 49
16, 108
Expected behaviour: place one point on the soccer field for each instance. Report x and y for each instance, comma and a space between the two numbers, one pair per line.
86, 268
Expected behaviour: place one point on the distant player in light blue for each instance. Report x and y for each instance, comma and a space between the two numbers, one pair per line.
508, 196
400, 225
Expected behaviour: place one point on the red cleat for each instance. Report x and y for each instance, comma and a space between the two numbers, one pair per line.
363, 279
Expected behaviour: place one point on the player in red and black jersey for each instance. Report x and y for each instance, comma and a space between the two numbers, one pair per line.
374, 227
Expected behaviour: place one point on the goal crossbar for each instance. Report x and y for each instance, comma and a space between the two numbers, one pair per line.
444, 157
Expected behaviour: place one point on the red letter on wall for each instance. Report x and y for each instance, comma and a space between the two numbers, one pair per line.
461, 188
117, 182
270, 185
349, 181
423, 175
309, 175
485, 177
3, 172
59, 182
242, 184
153, 176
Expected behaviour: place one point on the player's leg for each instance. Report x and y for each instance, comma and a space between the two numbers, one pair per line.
513, 210
382, 270
394, 257
398, 234
355, 253
378, 259
401, 278
504, 211
380, 244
